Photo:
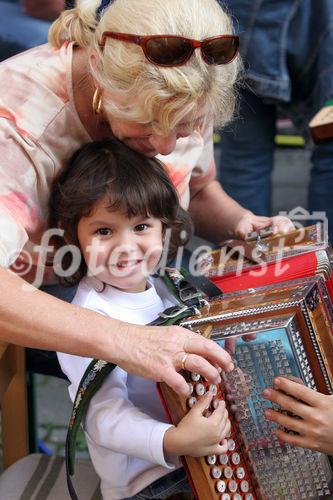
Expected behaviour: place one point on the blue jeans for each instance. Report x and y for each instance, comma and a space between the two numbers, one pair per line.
246, 164
287, 46
19, 32
168, 485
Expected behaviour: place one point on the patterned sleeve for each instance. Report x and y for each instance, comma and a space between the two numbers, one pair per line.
22, 191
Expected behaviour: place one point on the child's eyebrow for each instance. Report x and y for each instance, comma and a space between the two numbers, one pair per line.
99, 223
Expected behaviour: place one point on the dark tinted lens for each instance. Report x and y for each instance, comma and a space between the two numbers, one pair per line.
220, 50
168, 51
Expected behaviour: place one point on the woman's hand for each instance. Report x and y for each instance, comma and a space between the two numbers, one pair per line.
157, 352
313, 412
250, 222
197, 435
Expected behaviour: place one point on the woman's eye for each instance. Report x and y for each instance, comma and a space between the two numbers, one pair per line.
141, 227
104, 231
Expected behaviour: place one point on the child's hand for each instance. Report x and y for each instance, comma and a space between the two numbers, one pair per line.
315, 425
197, 435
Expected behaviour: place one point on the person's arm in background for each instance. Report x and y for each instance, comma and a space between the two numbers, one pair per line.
313, 420
43, 9
216, 215
35, 319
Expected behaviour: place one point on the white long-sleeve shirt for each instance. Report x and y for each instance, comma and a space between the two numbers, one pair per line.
125, 423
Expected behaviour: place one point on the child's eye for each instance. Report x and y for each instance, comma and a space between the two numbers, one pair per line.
141, 227
104, 231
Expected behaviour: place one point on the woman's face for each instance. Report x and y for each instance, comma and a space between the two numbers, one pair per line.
142, 138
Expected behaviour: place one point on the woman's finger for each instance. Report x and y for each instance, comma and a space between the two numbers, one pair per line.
295, 440
287, 402
209, 350
297, 390
175, 381
290, 423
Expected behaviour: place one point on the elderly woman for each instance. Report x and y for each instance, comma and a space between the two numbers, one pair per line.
156, 74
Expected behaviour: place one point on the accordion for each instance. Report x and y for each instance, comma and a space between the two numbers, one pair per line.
293, 326
265, 259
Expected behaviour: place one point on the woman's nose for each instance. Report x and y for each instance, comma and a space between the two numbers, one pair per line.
164, 145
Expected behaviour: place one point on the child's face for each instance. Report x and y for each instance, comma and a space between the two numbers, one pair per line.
120, 251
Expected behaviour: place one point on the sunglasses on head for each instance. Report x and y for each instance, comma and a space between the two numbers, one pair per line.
172, 50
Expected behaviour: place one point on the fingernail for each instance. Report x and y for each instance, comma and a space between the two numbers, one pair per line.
277, 381
267, 414
230, 367
219, 380
266, 393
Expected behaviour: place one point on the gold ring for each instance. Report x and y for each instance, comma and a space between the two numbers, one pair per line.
184, 358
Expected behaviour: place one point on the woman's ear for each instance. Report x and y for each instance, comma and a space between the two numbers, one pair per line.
93, 59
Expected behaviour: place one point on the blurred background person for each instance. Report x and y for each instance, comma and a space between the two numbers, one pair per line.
287, 47
25, 24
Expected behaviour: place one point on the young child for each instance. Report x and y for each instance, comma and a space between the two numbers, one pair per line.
117, 205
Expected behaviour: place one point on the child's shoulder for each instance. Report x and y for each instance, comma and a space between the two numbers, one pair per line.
88, 293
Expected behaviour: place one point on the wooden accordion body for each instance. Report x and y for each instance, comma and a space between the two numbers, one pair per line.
293, 326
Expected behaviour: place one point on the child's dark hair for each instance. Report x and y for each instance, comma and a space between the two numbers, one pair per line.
132, 182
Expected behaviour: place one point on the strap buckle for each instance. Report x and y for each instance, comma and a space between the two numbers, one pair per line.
187, 293
173, 311
191, 296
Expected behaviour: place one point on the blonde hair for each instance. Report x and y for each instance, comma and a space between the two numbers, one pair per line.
151, 91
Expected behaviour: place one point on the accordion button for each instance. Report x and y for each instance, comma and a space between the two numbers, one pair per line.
249, 496
227, 471
195, 376
191, 401
232, 486
236, 496
223, 459
221, 486
216, 472
231, 445
244, 486
213, 389
225, 496
235, 458
211, 459
200, 389
190, 388
240, 473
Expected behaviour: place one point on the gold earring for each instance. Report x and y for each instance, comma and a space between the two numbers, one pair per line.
97, 101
